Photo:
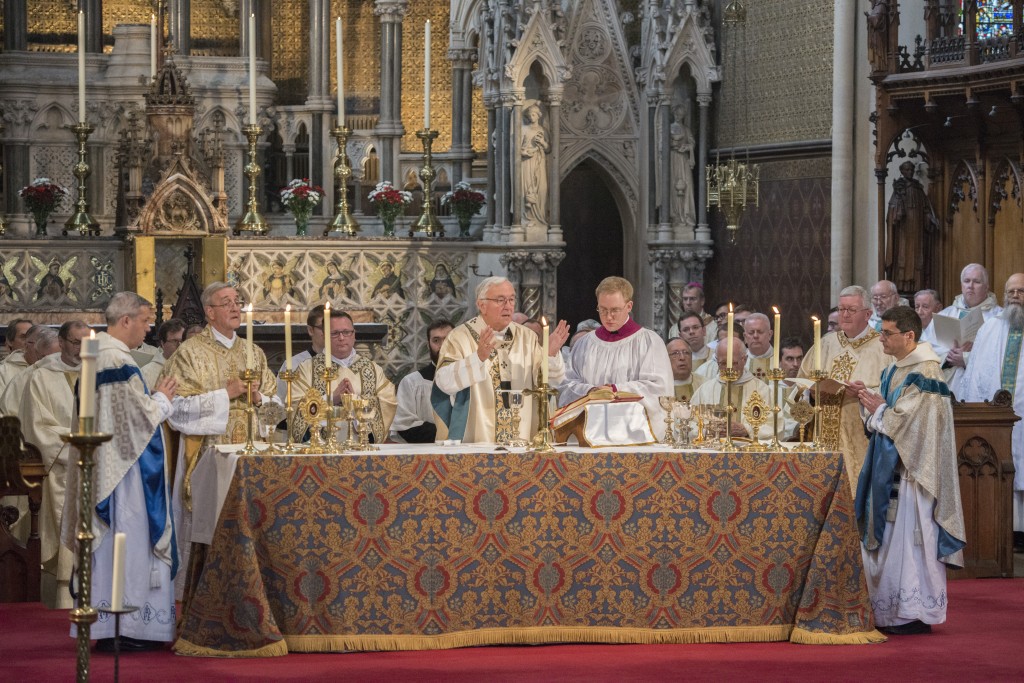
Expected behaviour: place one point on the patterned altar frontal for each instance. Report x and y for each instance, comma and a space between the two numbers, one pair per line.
395, 552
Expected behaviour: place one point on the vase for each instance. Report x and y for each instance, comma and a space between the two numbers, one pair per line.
464, 222
389, 225
301, 225
41, 220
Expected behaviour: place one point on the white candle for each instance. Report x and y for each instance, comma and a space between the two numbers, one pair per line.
340, 66
544, 350
81, 67
288, 335
426, 75
87, 380
152, 46
248, 339
252, 69
776, 338
117, 584
328, 355
817, 343
728, 340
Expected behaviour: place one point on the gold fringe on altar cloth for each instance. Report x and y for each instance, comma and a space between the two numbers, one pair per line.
183, 647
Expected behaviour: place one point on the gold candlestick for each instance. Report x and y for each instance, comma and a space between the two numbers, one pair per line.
349, 413
289, 412
83, 616
343, 223
331, 444
544, 440
249, 376
80, 220
729, 376
776, 375
427, 221
818, 376
252, 220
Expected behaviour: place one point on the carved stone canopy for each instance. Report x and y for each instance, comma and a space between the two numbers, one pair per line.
180, 206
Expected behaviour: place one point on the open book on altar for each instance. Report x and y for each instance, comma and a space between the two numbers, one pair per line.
828, 385
568, 412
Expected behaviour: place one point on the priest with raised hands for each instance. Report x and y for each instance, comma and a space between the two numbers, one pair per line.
620, 356
357, 375
485, 357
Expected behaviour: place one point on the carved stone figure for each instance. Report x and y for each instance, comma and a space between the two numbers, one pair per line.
910, 224
878, 35
682, 144
533, 151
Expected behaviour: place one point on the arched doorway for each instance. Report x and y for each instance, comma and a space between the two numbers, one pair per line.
592, 230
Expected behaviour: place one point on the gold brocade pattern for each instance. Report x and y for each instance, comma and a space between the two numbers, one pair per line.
412, 75
845, 341
52, 18
290, 64
831, 415
215, 28
842, 367
361, 35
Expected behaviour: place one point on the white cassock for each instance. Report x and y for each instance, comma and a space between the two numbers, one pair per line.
151, 370
46, 411
132, 495
414, 409
989, 309
710, 393
10, 399
11, 366
982, 379
637, 363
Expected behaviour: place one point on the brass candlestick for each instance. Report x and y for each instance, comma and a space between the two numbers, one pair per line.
776, 375
252, 220
730, 376
249, 376
331, 444
427, 221
289, 411
544, 440
818, 376
343, 223
80, 220
83, 616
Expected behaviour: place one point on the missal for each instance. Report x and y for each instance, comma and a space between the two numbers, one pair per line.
955, 332
828, 385
596, 397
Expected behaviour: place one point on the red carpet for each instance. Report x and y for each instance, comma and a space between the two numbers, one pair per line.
982, 640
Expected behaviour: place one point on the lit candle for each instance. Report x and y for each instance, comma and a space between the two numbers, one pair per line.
87, 381
152, 46
117, 584
339, 64
252, 69
328, 356
288, 335
775, 340
81, 67
248, 338
544, 350
426, 75
817, 343
728, 340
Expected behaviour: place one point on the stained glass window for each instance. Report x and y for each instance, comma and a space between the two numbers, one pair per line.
995, 18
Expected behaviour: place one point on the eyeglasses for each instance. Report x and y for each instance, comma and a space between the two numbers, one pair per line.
849, 311
885, 334
501, 300
1015, 292
612, 312
228, 304
338, 334
677, 354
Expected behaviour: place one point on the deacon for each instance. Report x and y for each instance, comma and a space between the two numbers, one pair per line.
483, 356
169, 335
684, 381
47, 405
357, 375
908, 497
853, 355
414, 417
995, 364
14, 340
620, 355
974, 294
132, 485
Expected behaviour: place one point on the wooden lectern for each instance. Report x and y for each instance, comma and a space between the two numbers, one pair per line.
21, 474
985, 462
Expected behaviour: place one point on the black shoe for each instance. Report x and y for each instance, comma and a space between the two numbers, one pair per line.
912, 628
128, 645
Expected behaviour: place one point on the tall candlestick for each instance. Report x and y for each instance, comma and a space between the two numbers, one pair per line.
544, 350
339, 65
328, 355
728, 340
81, 67
152, 46
817, 343
252, 69
777, 339
248, 338
87, 382
426, 75
288, 335
117, 583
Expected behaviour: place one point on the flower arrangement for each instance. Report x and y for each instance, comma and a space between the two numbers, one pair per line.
300, 197
41, 198
464, 201
389, 202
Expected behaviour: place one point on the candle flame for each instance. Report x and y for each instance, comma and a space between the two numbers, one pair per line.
543, 321
776, 309
327, 306
730, 307
248, 309
288, 308
815, 318
92, 334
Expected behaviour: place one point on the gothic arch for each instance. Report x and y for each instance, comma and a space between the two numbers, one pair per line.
966, 239
689, 47
1006, 218
537, 44
50, 123
465, 23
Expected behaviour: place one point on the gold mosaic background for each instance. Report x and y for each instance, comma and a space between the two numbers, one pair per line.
124, 12
289, 63
52, 17
361, 34
440, 75
215, 32
788, 71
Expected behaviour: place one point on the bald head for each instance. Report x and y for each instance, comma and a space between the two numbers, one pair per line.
884, 296
739, 354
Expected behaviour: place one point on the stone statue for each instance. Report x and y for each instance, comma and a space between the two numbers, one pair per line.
878, 35
910, 223
533, 151
682, 144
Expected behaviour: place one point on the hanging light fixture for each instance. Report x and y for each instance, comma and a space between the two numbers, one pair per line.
734, 185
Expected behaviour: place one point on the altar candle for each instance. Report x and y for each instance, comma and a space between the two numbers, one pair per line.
152, 46
252, 69
777, 338
544, 350
81, 67
288, 335
248, 338
87, 382
817, 343
117, 584
426, 75
328, 355
339, 65
728, 340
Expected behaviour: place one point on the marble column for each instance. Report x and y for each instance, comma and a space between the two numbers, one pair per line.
15, 26
389, 127
702, 233
843, 161
16, 169
492, 161
181, 25
318, 91
462, 111
652, 170
554, 177
664, 170
517, 232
